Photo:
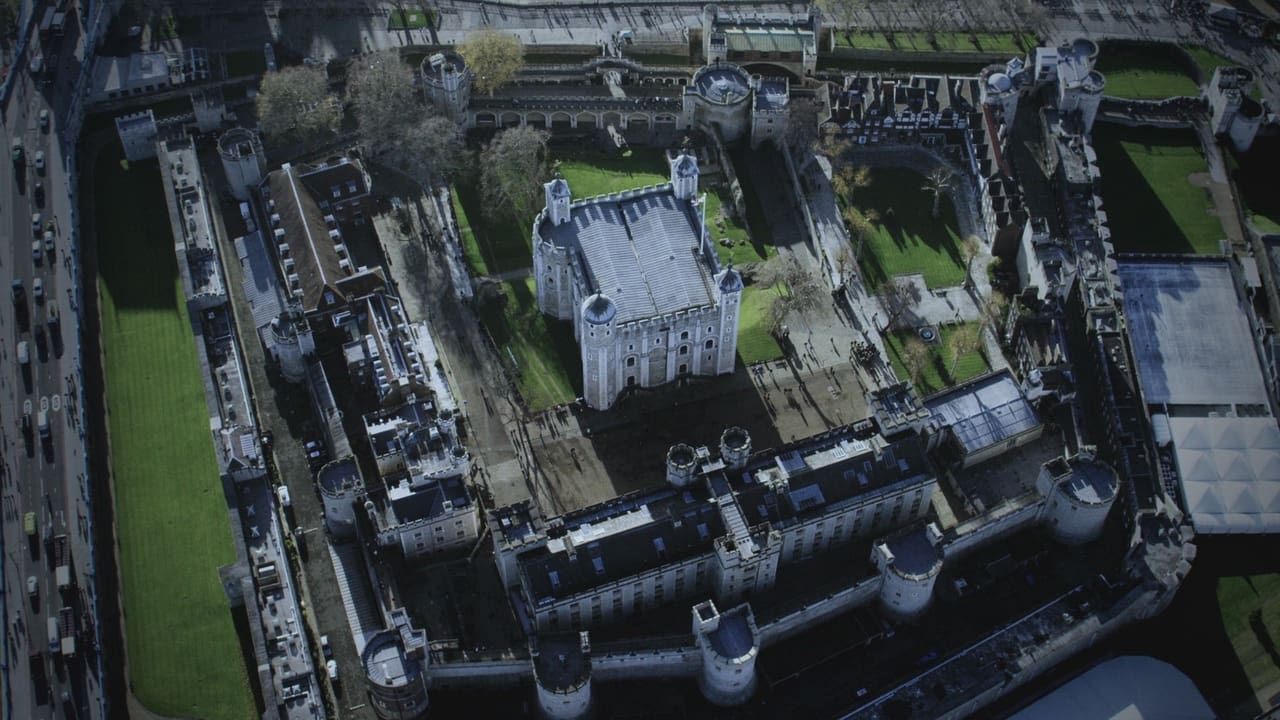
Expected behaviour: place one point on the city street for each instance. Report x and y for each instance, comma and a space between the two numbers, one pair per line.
43, 476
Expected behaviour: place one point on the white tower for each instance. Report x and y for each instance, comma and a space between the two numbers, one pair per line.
557, 196
909, 563
562, 675
684, 175
681, 465
729, 644
735, 447
341, 487
242, 160
729, 291
1079, 492
599, 376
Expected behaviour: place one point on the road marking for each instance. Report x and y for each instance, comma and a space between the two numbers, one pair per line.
26, 406
44, 403
56, 402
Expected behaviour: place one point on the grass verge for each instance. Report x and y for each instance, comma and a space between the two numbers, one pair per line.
755, 344
171, 519
951, 42
547, 367
943, 370
908, 239
408, 20
1150, 201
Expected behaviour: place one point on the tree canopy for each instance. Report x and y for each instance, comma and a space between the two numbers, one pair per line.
493, 57
295, 103
383, 100
513, 167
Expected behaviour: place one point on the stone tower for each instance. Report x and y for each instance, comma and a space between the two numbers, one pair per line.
557, 195
446, 81
599, 379
729, 292
684, 175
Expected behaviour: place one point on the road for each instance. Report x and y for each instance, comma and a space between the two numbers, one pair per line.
43, 476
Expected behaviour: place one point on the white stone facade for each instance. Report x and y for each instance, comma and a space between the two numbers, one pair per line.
620, 347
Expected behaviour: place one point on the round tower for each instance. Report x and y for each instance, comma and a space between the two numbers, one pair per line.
720, 94
446, 80
909, 563
735, 447
395, 675
599, 382
242, 160
562, 675
292, 343
729, 644
681, 465
1079, 493
341, 487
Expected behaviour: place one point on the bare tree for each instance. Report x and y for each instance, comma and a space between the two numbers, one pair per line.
831, 142
803, 117
938, 182
779, 309
494, 58
842, 12
994, 308
897, 296
915, 357
295, 102
970, 248
383, 100
967, 338
513, 167
430, 150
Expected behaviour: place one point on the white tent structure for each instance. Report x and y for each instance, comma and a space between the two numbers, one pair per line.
1230, 470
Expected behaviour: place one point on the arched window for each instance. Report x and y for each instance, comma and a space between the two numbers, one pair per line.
710, 344
631, 362
684, 349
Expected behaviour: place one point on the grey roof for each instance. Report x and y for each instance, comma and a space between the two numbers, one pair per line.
985, 411
259, 282
385, 661
1124, 688
1091, 481
1190, 334
913, 554
722, 84
768, 39
732, 638
641, 249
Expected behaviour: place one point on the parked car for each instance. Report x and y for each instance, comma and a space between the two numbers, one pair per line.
37, 290
331, 668
36, 256
40, 161
325, 648
44, 120
49, 245
36, 219
38, 194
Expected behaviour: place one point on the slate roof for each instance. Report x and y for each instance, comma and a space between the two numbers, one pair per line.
768, 39
642, 250
984, 412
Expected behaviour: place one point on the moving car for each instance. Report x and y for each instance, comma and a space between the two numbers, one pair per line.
40, 161
39, 194
37, 290
44, 120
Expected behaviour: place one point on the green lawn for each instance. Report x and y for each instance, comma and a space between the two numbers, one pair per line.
408, 20
1151, 204
1250, 607
924, 66
549, 370
1145, 71
908, 238
1153, 71
755, 344
995, 43
171, 519
590, 174
936, 376
491, 245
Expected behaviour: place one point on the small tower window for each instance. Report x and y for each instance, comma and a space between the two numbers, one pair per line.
631, 362
710, 344
684, 349
684, 335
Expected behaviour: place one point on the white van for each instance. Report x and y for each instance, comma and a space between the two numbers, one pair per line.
24, 352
